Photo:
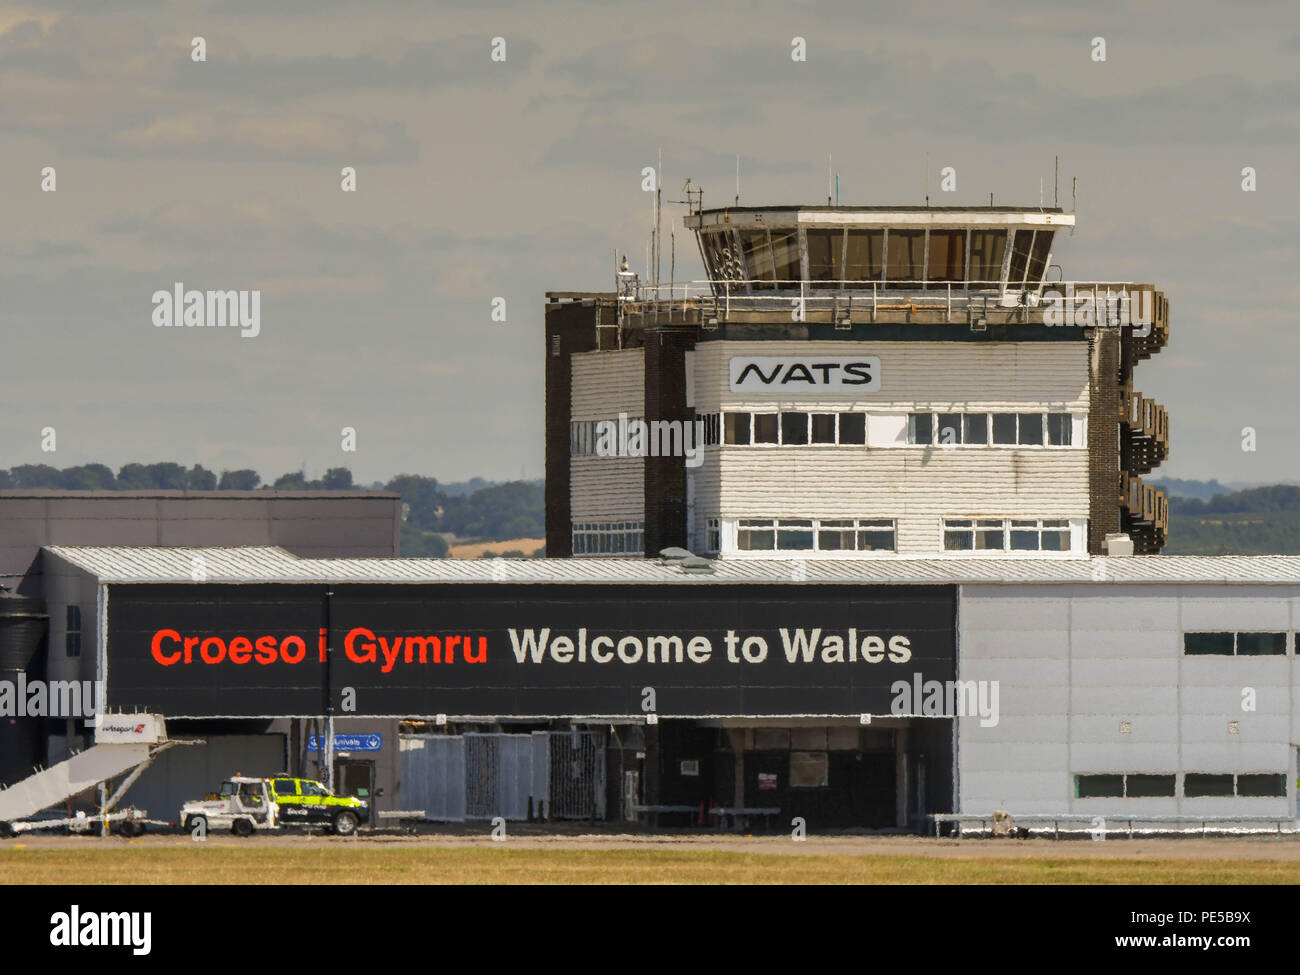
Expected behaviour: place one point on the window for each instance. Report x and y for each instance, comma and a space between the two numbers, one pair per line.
1031, 429
986, 250
1260, 644
284, 787
736, 428
756, 535
1004, 428
1059, 429
1149, 786
835, 536
825, 255
72, 635
815, 535
876, 536
1136, 785
1263, 786
713, 534
716, 246
712, 429
904, 260
1247, 644
809, 770
823, 428
1199, 784
758, 258
950, 428
947, 257
785, 255
920, 428
1040, 535
853, 428
1020, 246
310, 788
1038, 257
609, 538
975, 428
1195, 644
978, 534
765, 428
794, 428
794, 535
1247, 785
1098, 786
862, 263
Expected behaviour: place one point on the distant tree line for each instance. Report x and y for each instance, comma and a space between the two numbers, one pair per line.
477, 509
1271, 498
164, 476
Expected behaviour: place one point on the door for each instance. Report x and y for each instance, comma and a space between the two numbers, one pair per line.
354, 777
291, 806
315, 799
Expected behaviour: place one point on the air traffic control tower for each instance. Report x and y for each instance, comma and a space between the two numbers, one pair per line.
857, 381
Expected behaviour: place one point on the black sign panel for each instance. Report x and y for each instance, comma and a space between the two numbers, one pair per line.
509, 649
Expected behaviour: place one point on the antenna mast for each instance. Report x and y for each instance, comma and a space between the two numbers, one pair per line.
659, 182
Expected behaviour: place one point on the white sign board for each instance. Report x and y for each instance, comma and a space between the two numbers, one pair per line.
129, 729
805, 374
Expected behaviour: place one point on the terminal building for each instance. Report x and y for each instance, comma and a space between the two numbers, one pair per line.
854, 530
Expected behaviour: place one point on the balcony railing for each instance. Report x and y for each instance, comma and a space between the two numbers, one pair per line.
1145, 511
1148, 431
1066, 303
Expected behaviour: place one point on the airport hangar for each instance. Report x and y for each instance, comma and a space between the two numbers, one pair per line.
1111, 686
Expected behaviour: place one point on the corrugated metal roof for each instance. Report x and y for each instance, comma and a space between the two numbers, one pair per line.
119, 564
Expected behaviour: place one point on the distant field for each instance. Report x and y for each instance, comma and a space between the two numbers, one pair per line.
177, 860
472, 551
1237, 533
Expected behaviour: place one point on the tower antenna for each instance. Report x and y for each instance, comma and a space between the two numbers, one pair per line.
659, 183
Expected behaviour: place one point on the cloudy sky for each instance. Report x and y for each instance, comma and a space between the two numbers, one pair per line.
478, 178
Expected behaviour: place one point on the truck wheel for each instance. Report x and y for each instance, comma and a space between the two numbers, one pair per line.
6, 830
345, 823
242, 827
126, 829
193, 821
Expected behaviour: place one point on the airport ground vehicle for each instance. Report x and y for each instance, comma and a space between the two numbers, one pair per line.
247, 804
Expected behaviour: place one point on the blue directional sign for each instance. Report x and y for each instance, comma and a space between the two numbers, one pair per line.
349, 743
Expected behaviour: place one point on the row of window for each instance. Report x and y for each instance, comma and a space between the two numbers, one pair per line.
808, 535
609, 538
1196, 785
998, 429
859, 258
799, 428
790, 428
1234, 644
880, 535
1006, 535
583, 437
